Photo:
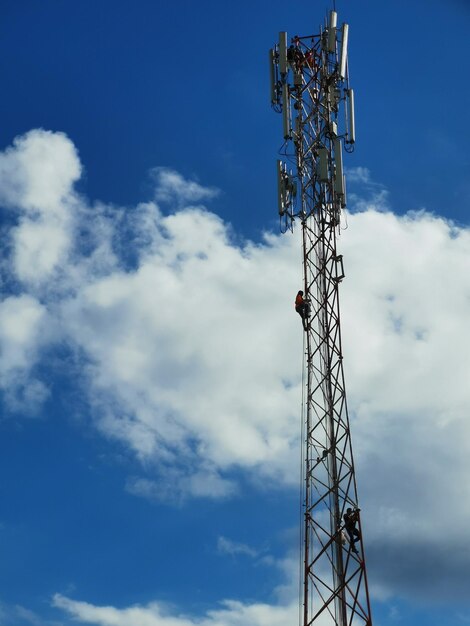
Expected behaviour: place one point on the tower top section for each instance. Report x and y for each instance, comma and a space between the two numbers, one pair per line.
309, 86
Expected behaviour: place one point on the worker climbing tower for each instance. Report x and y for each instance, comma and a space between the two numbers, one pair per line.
310, 87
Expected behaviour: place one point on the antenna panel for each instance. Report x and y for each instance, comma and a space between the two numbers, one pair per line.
344, 51
344, 202
332, 31
280, 187
272, 77
351, 117
283, 53
339, 179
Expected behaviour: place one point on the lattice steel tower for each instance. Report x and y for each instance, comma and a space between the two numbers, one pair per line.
310, 87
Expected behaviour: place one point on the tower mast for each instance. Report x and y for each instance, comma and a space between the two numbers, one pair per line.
310, 87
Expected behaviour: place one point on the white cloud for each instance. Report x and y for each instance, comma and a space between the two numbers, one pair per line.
39, 247
283, 610
367, 194
358, 175
230, 613
175, 486
38, 172
190, 354
407, 356
171, 186
36, 180
172, 343
206, 369
227, 546
28, 616
17, 615
23, 328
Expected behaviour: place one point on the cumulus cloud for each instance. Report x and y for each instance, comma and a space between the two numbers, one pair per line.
37, 175
230, 613
366, 194
227, 546
189, 352
17, 615
23, 328
358, 174
38, 171
407, 361
171, 187
283, 610
171, 344
175, 486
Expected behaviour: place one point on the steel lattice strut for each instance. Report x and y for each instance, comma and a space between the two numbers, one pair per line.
309, 85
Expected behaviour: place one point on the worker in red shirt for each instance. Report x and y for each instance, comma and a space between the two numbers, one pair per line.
302, 308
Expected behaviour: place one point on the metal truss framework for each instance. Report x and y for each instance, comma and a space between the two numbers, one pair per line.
309, 79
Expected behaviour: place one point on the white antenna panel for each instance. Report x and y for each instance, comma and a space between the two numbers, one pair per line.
344, 51
332, 31
283, 52
339, 180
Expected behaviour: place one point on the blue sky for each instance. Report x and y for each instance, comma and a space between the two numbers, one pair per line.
150, 359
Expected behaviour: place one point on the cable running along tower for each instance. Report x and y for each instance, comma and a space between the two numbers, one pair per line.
310, 87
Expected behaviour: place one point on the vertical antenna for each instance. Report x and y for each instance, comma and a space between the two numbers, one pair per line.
280, 188
272, 76
332, 31
335, 587
283, 53
339, 182
351, 131
344, 51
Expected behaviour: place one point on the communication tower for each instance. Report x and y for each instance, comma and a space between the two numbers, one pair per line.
310, 87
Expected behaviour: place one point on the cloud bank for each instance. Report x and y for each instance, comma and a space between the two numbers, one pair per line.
187, 347
230, 613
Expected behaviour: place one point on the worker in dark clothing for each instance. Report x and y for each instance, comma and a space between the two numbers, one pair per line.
295, 56
350, 520
302, 307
